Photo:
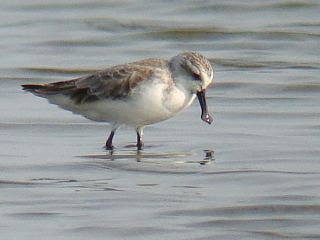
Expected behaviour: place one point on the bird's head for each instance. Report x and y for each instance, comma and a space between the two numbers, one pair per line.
195, 73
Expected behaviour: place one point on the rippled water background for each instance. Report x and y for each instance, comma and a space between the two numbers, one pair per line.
57, 182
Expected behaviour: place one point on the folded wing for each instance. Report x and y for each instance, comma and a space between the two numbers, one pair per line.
115, 83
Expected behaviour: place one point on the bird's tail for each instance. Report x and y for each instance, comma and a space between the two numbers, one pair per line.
63, 87
34, 88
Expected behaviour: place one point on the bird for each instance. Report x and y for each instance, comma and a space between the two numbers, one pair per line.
135, 94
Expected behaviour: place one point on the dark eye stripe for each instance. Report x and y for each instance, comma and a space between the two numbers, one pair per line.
196, 77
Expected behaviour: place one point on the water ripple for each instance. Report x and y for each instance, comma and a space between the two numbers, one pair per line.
250, 210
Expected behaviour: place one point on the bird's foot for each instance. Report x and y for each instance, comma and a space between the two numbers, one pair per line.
140, 145
109, 147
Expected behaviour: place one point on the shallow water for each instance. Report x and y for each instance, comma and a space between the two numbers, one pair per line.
262, 178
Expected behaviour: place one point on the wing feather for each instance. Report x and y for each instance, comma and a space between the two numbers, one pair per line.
115, 83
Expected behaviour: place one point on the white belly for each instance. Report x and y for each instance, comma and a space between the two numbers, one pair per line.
146, 105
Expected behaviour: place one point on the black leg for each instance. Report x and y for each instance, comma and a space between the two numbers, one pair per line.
139, 138
109, 145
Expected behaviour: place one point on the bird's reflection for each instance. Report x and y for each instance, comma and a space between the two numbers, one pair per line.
209, 157
139, 155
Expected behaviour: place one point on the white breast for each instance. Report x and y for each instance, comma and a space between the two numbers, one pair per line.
149, 103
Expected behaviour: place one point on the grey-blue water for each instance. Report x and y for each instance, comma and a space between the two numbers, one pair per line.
262, 182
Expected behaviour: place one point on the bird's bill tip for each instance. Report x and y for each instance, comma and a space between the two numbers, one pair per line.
205, 116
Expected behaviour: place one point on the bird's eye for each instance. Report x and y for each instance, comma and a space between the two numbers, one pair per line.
196, 77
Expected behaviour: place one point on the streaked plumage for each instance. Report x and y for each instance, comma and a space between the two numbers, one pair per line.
136, 94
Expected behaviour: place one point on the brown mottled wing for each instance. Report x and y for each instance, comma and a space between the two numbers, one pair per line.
115, 83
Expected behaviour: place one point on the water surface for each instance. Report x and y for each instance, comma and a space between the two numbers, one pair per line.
262, 180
